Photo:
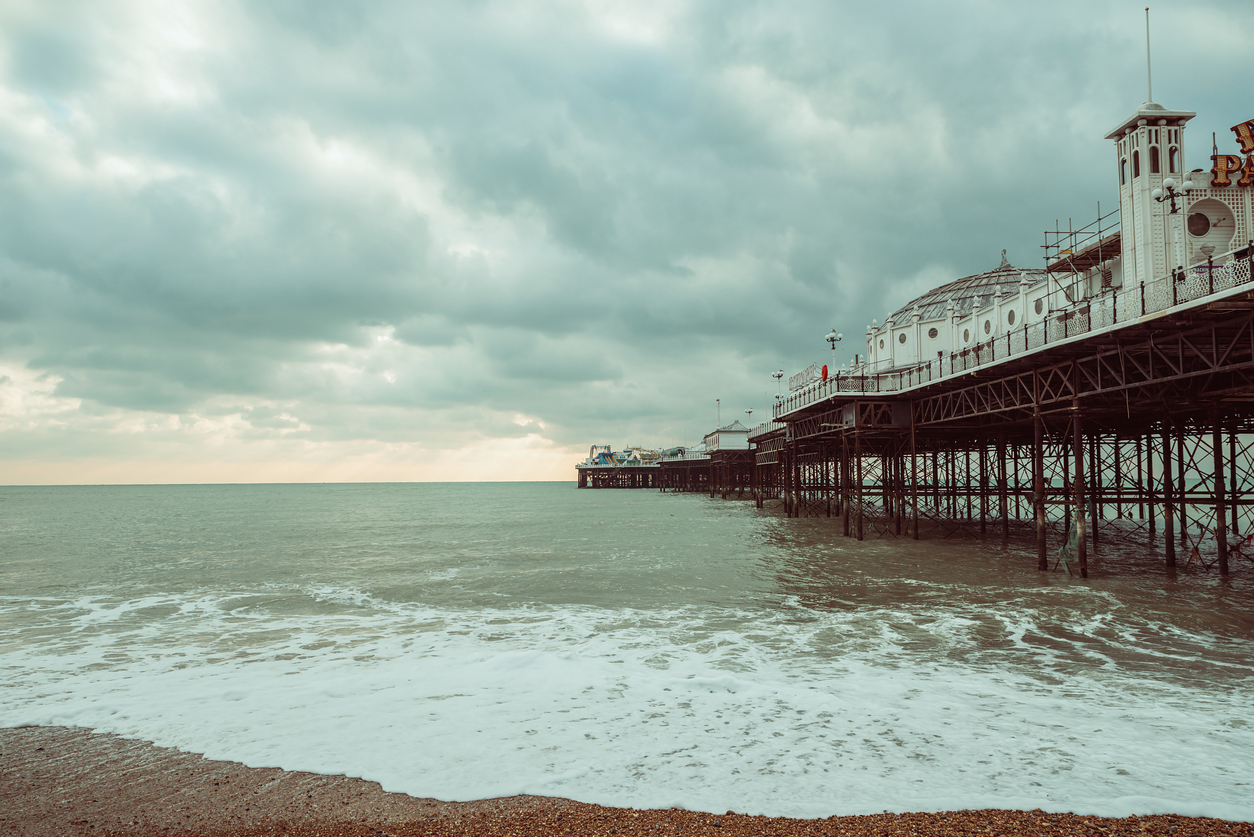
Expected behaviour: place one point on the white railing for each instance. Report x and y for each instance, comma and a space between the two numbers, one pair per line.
766, 428
686, 456
1109, 311
636, 463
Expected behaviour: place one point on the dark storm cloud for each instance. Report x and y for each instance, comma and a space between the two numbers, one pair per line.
327, 220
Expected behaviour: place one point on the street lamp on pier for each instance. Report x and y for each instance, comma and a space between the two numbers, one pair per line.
832, 339
1168, 192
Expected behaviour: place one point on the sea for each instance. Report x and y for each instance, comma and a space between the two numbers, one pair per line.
624, 647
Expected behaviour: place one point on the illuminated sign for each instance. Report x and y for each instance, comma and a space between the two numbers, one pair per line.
1225, 166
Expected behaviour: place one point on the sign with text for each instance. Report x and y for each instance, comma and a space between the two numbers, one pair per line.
805, 376
1224, 167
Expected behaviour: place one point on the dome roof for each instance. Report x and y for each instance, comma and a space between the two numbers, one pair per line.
933, 305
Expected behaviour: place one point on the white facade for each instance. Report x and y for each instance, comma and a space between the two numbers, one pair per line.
957, 316
1212, 219
734, 436
1149, 243
1149, 148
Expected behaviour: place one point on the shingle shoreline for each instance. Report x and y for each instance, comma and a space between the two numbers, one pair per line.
66, 781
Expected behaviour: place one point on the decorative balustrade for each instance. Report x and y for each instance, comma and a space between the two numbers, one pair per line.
766, 428
1111, 310
686, 456
627, 463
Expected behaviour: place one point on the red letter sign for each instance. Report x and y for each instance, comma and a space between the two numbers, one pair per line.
1245, 136
1223, 164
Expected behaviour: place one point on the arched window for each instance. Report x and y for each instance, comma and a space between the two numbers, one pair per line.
1173, 160
1136, 164
1123, 171
1154, 159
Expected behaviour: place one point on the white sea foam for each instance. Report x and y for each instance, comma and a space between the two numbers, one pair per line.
792, 711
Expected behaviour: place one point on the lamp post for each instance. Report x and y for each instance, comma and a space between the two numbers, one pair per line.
1168, 192
778, 376
832, 339
1208, 250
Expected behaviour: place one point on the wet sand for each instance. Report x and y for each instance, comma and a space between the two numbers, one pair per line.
65, 781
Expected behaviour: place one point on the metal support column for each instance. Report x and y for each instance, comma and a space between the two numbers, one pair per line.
1221, 516
1182, 514
857, 455
914, 480
844, 480
1001, 490
1168, 499
1077, 439
1038, 487
1095, 484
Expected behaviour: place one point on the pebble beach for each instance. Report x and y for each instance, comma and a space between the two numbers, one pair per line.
69, 781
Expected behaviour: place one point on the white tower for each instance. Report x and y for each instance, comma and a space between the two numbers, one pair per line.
1149, 148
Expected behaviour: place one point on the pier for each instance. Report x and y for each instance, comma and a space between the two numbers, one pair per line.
631, 468
1109, 394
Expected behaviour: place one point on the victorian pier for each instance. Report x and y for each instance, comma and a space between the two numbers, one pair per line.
1108, 394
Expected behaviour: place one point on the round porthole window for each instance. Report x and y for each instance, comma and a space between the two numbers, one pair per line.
988, 326
1010, 318
1040, 306
966, 334
1199, 224
881, 344
901, 338
932, 333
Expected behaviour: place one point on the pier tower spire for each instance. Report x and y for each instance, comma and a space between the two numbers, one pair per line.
1149, 148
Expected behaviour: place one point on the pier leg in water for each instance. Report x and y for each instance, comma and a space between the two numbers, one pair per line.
1119, 479
1221, 516
1149, 483
951, 478
899, 490
1233, 498
936, 490
1038, 488
886, 490
1001, 491
857, 456
1182, 511
844, 481
1095, 484
914, 481
785, 474
983, 481
796, 478
966, 481
1014, 469
828, 479
1168, 500
1077, 438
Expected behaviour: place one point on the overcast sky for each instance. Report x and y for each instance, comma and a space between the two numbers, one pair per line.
315, 241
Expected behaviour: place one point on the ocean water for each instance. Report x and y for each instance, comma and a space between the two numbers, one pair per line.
622, 647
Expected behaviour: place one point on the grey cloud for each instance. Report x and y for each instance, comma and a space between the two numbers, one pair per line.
547, 217
52, 61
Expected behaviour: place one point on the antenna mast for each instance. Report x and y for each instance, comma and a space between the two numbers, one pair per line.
1149, 78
